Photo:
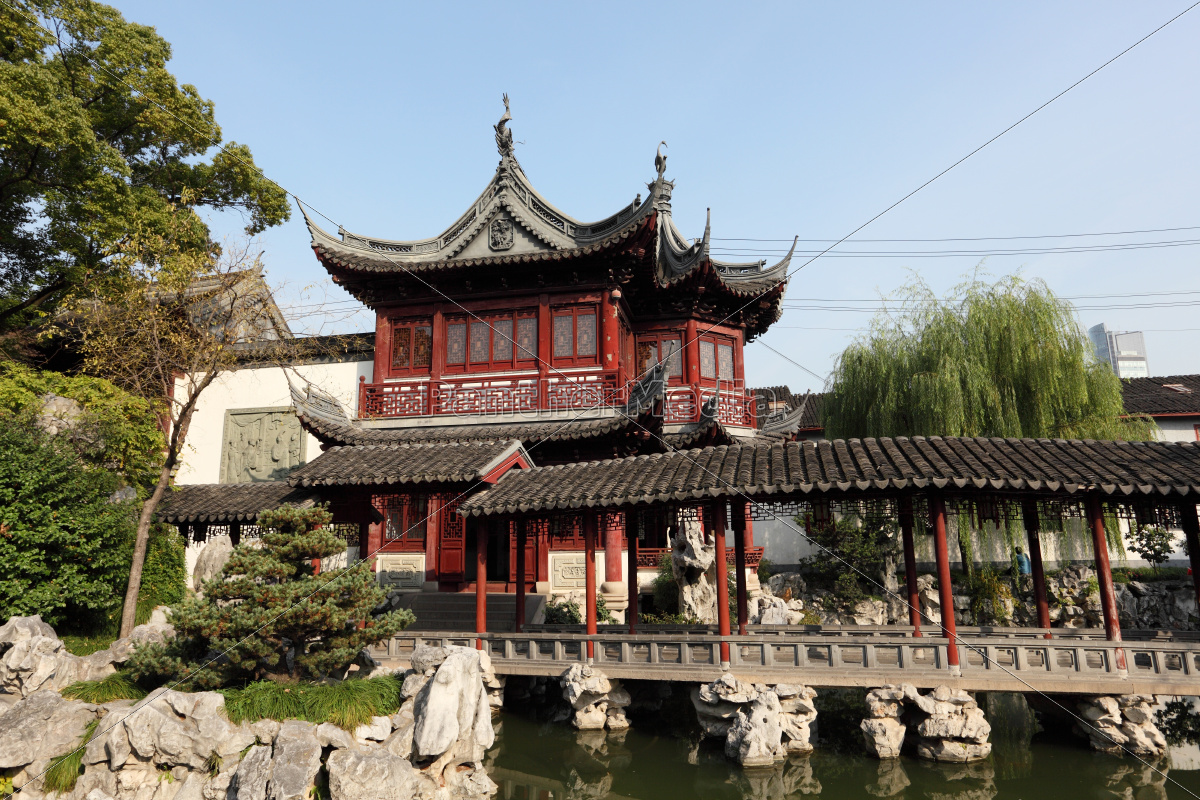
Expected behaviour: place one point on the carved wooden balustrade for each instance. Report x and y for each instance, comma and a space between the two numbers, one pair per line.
530, 393
651, 557
1082, 665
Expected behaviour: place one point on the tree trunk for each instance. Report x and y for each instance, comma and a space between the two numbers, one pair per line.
174, 446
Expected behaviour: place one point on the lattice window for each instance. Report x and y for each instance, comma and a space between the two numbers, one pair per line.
348, 532
412, 346
661, 348
405, 520
575, 342
487, 344
456, 343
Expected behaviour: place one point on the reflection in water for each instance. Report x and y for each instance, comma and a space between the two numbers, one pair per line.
547, 761
890, 779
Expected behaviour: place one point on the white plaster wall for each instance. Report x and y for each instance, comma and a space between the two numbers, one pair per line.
1178, 429
257, 387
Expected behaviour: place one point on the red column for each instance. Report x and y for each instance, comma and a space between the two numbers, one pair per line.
1108, 593
739, 511
631, 614
590, 522
937, 515
1191, 530
610, 329
481, 543
612, 554
522, 532
1033, 527
718, 527
910, 564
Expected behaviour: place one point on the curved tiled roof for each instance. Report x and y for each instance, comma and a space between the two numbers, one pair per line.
764, 469
427, 462
1173, 394
230, 502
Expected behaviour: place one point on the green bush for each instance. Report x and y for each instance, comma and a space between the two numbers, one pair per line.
118, 431
65, 548
988, 592
866, 543
65, 770
1153, 543
568, 612
270, 616
164, 575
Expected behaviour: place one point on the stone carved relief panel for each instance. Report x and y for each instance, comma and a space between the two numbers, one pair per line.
567, 572
400, 570
261, 444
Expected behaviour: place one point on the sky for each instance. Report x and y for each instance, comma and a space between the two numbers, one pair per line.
786, 119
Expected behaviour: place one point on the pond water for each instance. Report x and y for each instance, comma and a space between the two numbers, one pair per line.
665, 757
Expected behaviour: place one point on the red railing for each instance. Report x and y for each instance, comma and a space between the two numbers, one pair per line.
528, 393
467, 396
651, 557
735, 405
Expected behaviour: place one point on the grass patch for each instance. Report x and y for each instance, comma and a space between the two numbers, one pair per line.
1149, 574
118, 686
65, 769
347, 704
86, 645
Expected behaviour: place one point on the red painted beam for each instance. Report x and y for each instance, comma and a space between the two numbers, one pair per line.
591, 522
1108, 592
481, 543
740, 511
522, 532
1033, 527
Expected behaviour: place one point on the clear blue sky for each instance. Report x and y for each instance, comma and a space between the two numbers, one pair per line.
786, 119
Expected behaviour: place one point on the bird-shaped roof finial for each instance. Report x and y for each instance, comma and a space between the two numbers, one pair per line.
660, 161
504, 137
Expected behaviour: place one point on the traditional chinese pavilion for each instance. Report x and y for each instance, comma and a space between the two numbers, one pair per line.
521, 337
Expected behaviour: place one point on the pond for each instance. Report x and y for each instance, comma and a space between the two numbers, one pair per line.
665, 757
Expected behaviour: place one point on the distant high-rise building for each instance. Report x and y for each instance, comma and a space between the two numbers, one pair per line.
1125, 351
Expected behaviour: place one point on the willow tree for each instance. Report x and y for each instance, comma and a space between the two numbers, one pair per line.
1004, 359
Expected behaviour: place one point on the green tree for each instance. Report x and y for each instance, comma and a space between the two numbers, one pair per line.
118, 431
1153, 543
1002, 359
270, 615
97, 139
63, 544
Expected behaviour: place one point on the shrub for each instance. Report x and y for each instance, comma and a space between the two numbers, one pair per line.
65, 548
1179, 722
866, 543
269, 616
1153, 543
568, 612
164, 575
988, 593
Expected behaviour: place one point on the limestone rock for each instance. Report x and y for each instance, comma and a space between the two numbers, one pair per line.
452, 707
41, 726
953, 750
375, 775
377, 730
297, 759
22, 629
584, 685
253, 774
330, 735
756, 737
883, 736
211, 560
692, 557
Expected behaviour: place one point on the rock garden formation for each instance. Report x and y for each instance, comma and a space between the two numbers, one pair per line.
692, 560
1121, 724
760, 724
597, 703
183, 746
944, 724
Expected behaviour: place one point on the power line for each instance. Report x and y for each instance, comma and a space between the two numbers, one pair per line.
1099, 248
969, 238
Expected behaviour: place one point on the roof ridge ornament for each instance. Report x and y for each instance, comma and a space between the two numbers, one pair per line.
504, 137
660, 161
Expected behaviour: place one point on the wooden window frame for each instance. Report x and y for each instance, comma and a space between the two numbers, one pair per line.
657, 338
575, 312
527, 362
716, 340
410, 509
411, 324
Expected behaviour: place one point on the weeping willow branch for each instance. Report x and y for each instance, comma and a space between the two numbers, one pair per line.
1002, 359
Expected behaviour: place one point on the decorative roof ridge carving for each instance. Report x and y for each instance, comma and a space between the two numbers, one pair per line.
786, 423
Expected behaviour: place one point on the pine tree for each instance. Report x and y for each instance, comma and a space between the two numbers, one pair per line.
269, 615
